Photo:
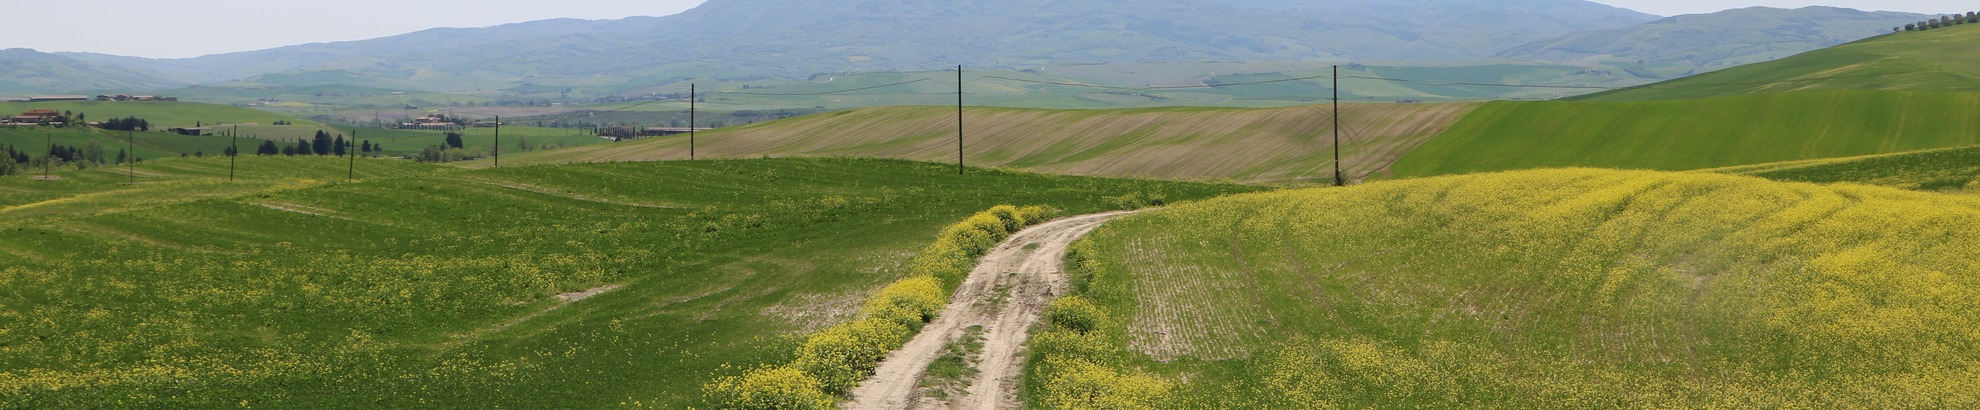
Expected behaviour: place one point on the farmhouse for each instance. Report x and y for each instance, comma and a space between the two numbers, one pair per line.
191, 131
429, 122
36, 117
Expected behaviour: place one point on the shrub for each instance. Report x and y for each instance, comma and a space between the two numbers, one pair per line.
911, 302
834, 361
1076, 314
843, 355
778, 388
1086, 385
1138, 200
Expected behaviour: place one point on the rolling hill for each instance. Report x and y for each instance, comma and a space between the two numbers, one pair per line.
1260, 145
583, 286
740, 39
1939, 170
1552, 288
1935, 60
24, 72
1706, 42
1697, 133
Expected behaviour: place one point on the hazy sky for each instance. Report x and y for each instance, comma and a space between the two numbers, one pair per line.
189, 28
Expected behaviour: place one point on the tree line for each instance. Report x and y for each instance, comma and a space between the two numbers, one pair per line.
90, 154
323, 144
1941, 22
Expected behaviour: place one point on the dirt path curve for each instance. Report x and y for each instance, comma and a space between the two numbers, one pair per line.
1005, 294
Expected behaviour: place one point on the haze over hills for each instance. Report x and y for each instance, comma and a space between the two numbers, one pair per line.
753, 38
1717, 40
1936, 60
761, 42
29, 71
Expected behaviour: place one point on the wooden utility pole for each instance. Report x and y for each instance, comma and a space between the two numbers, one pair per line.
959, 121
353, 164
130, 143
498, 141
48, 157
692, 108
1338, 180
232, 159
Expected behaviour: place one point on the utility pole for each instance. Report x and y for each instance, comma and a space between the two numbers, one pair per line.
130, 143
498, 141
348, 149
1338, 180
959, 121
232, 158
48, 160
692, 93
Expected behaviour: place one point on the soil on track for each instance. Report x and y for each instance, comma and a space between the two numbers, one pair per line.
1006, 294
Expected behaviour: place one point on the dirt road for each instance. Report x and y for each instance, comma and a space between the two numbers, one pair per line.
1006, 294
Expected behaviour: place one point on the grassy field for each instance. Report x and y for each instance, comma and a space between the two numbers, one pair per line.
162, 115
148, 145
1943, 170
1557, 288
1917, 61
1264, 145
1696, 134
578, 286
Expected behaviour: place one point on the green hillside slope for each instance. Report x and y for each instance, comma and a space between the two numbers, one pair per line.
1551, 289
1277, 145
584, 286
1694, 134
1947, 170
1705, 42
1937, 60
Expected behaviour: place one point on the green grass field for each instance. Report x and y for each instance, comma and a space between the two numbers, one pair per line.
1695, 134
162, 115
1943, 170
425, 286
1911, 61
1556, 288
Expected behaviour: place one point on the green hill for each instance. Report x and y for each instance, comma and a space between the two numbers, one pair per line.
1549, 289
1913, 61
26, 72
1946, 170
1697, 133
1275, 145
1705, 42
582, 286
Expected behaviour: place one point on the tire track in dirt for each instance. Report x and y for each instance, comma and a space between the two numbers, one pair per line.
1006, 294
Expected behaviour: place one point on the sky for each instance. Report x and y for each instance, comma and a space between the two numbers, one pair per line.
191, 28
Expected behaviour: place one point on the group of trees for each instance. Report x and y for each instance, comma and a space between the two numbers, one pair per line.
16, 160
451, 149
1942, 22
126, 124
322, 144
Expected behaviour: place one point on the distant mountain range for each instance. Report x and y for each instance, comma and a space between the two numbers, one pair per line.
24, 71
743, 40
